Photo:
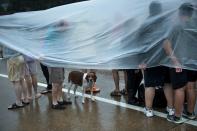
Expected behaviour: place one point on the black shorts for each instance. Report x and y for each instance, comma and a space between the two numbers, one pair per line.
154, 77
178, 79
191, 75
166, 74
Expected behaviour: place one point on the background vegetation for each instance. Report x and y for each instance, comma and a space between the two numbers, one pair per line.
13, 6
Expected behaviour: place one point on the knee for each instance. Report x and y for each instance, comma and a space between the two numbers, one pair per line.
189, 88
28, 78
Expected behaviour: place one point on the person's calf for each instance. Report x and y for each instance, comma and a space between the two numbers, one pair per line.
191, 97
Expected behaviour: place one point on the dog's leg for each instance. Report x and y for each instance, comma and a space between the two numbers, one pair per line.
69, 87
75, 88
92, 96
83, 93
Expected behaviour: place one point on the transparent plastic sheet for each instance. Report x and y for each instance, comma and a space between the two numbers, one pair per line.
104, 34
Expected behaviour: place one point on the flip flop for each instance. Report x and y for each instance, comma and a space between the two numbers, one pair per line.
15, 106
25, 103
115, 93
58, 107
64, 102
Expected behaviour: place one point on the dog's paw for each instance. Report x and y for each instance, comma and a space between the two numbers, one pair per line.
93, 99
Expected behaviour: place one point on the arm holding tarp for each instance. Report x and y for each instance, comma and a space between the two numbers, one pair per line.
168, 49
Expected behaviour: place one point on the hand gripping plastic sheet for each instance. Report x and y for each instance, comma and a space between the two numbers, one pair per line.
107, 34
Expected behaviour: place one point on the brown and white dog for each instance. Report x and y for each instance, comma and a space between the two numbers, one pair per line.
85, 80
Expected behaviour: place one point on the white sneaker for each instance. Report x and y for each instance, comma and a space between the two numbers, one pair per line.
148, 112
170, 111
38, 95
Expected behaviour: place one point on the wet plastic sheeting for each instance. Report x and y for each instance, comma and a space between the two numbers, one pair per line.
105, 34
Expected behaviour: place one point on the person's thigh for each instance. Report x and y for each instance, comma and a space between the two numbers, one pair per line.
32, 68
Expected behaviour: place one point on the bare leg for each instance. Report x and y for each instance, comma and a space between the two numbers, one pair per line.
191, 96
24, 91
179, 96
56, 96
116, 80
18, 92
149, 96
29, 86
55, 93
60, 93
34, 83
168, 91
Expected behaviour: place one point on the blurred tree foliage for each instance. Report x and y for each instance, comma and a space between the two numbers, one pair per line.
13, 6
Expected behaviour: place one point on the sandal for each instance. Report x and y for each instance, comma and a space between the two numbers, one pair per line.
15, 106
64, 102
25, 103
58, 107
115, 93
124, 92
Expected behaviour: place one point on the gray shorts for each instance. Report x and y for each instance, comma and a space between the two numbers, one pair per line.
31, 68
56, 75
16, 68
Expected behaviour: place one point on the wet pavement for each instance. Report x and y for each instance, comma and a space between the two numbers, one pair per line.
106, 114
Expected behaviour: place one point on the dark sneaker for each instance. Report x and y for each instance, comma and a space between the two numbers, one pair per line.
133, 101
58, 107
177, 120
188, 115
49, 87
64, 102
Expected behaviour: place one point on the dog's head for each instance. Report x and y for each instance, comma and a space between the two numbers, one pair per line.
91, 77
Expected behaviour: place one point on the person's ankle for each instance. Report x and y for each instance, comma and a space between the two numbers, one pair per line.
117, 90
189, 111
26, 100
170, 107
30, 97
148, 108
54, 103
177, 116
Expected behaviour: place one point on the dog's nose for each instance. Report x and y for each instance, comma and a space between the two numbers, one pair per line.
91, 80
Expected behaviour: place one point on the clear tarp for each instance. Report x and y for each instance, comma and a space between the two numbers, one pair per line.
106, 34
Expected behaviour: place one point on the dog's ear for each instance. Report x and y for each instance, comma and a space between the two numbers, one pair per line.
87, 76
95, 77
